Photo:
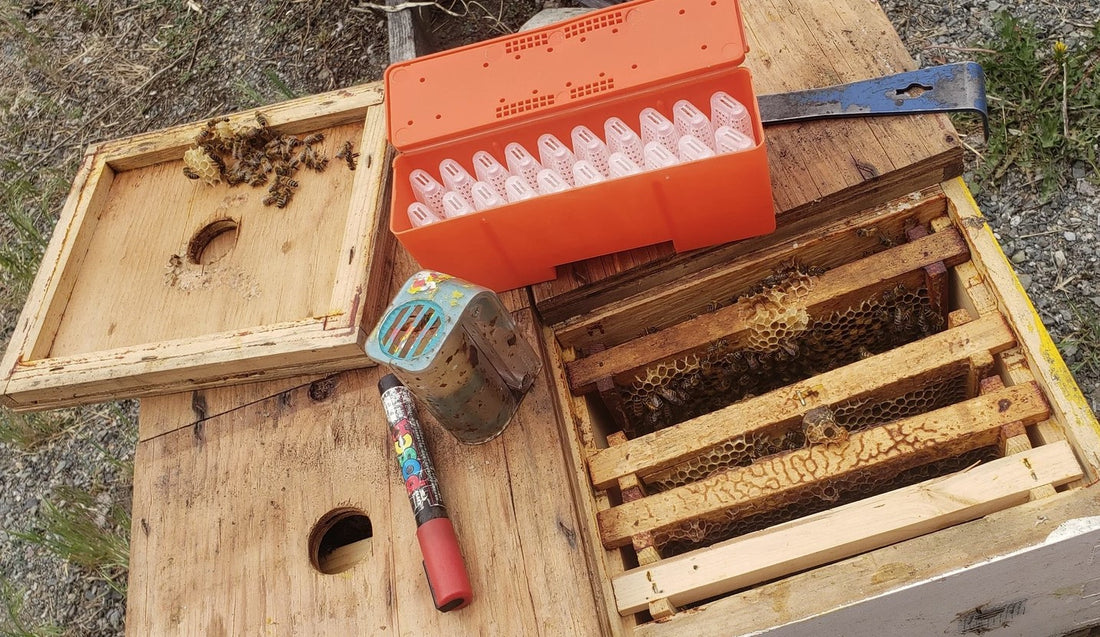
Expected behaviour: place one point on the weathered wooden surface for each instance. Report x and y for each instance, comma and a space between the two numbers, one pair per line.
223, 512
807, 242
825, 169
832, 291
847, 530
120, 308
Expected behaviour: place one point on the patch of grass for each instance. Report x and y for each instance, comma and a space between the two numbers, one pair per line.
88, 530
28, 431
1044, 103
248, 95
21, 250
279, 84
26, 215
1082, 346
12, 623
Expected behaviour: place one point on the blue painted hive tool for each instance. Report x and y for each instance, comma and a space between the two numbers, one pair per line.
948, 88
456, 347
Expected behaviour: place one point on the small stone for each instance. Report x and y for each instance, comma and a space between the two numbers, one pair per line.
1025, 280
1070, 236
115, 618
1080, 169
1069, 351
1019, 257
1059, 258
1086, 188
1095, 301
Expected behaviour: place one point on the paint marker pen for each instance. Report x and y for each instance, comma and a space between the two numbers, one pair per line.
443, 563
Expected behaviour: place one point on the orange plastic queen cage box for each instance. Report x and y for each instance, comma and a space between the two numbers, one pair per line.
615, 62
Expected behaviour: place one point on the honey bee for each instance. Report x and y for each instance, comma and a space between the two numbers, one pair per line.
673, 396
928, 320
311, 159
190, 174
218, 161
653, 402
789, 348
282, 198
866, 232
238, 175
261, 119
347, 155
903, 316
315, 138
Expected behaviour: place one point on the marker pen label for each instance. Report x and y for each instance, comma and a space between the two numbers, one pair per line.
410, 448
443, 563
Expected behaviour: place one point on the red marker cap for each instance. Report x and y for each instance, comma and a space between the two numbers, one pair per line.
443, 564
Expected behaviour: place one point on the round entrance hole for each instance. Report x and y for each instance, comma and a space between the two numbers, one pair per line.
212, 242
339, 540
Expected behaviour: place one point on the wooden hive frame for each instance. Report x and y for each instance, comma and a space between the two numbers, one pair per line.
355, 255
1017, 402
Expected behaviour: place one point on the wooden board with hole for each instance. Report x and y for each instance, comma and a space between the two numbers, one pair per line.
154, 282
701, 485
229, 500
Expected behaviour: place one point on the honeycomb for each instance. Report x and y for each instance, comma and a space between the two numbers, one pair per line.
777, 313
849, 416
785, 345
820, 427
201, 164
698, 533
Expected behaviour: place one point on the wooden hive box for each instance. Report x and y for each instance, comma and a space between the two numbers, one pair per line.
854, 411
153, 283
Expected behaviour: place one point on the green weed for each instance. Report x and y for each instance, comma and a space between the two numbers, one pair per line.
27, 209
28, 431
1082, 345
77, 526
12, 623
1044, 103
279, 83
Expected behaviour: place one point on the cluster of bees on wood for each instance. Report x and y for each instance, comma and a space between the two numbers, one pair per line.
252, 154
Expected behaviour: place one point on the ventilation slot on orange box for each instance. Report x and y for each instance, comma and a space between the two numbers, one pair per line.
522, 106
591, 88
528, 42
598, 22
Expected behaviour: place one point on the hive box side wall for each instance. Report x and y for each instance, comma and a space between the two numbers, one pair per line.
1068, 404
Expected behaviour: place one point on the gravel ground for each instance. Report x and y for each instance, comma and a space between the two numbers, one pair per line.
1052, 244
108, 69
